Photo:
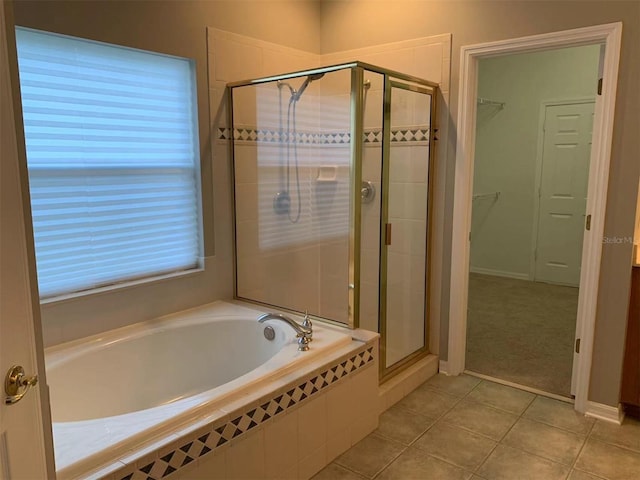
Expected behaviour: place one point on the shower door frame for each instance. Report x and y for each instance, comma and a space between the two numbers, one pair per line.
354, 267
424, 88
391, 78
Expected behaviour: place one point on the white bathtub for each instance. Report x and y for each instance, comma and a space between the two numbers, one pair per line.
114, 392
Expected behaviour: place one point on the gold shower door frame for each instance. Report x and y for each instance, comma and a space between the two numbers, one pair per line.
429, 90
392, 79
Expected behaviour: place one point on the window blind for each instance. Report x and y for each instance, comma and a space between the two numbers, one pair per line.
111, 140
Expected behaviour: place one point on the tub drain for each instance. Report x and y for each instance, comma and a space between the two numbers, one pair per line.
269, 333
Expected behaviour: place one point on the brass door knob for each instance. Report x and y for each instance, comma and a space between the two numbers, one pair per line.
16, 384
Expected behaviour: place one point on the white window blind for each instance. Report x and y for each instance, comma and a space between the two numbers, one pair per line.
111, 142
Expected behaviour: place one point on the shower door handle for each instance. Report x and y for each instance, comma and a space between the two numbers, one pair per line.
387, 234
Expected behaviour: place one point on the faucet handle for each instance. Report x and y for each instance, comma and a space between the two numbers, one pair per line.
306, 323
303, 342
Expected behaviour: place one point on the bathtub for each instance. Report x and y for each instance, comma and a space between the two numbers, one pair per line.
114, 393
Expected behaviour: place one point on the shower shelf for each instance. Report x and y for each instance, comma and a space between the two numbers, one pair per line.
328, 173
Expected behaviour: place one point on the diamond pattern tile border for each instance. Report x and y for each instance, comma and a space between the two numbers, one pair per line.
404, 135
217, 435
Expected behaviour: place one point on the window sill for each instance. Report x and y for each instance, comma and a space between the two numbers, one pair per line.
123, 286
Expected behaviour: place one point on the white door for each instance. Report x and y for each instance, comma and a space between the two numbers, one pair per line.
563, 192
26, 447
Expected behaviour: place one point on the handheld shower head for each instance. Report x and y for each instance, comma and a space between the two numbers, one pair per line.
305, 84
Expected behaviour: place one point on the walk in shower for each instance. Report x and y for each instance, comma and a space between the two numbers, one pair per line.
332, 174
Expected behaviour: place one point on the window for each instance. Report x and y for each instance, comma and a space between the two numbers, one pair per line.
111, 139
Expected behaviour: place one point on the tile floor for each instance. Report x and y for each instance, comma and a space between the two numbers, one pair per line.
465, 428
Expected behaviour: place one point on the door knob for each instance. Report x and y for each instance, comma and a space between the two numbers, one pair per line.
16, 384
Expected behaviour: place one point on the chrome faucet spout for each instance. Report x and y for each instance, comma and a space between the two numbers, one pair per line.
303, 332
292, 323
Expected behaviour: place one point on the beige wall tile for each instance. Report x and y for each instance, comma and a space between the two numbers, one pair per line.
246, 163
312, 427
210, 467
245, 459
236, 61
281, 444
313, 462
428, 62
246, 202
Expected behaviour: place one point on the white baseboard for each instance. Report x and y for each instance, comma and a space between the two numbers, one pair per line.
605, 412
499, 273
443, 367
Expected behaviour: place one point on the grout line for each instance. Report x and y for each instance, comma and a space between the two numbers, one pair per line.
499, 442
486, 457
584, 443
375, 475
435, 420
375, 434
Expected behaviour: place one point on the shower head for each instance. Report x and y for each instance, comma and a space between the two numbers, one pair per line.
305, 84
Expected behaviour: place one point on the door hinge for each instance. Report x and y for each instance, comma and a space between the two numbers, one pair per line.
577, 345
588, 222
599, 86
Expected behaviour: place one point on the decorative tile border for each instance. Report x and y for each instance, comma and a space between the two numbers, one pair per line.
246, 134
219, 434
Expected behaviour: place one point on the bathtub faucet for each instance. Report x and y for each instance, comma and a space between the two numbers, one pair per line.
304, 332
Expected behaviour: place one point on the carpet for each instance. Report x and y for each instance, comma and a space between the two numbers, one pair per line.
522, 331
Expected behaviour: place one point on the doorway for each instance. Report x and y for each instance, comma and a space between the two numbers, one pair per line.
528, 212
471, 56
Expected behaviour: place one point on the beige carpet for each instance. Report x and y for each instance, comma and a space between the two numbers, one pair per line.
522, 331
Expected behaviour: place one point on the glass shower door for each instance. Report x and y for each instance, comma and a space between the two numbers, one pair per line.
405, 228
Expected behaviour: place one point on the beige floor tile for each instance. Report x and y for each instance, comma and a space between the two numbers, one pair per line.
336, 472
609, 461
546, 441
458, 386
370, 455
502, 397
414, 464
455, 445
626, 435
558, 414
402, 425
506, 463
481, 419
427, 402
578, 475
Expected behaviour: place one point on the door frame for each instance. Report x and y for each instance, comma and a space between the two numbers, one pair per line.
29, 428
610, 35
538, 176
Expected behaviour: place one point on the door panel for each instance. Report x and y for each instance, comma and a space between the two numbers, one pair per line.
26, 446
563, 192
406, 251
